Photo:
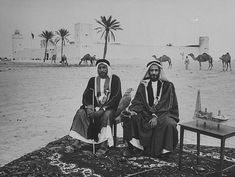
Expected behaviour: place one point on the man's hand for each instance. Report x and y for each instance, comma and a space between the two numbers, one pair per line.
96, 114
153, 121
128, 113
89, 109
131, 113
152, 109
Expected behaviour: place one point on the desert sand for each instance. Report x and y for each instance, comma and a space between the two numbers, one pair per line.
38, 102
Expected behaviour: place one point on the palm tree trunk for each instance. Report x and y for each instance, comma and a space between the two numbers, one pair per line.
105, 45
62, 41
45, 52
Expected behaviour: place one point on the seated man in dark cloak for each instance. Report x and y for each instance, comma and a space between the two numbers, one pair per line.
92, 122
154, 115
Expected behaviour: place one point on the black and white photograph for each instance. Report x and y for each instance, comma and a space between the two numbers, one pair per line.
117, 88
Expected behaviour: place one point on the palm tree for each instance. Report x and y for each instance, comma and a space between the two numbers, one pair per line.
47, 35
63, 34
107, 27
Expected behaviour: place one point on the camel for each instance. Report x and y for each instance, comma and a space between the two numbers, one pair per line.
203, 58
87, 58
53, 58
226, 60
164, 58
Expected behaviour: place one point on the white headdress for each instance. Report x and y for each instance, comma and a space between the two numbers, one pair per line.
162, 75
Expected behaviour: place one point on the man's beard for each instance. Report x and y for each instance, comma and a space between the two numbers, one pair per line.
103, 74
154, 77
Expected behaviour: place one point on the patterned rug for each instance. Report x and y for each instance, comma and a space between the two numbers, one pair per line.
52, 161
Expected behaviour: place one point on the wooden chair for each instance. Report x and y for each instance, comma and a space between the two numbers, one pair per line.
114, 128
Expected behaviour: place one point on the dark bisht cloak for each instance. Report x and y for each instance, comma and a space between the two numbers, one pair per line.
90, 98
142, 104
89, 95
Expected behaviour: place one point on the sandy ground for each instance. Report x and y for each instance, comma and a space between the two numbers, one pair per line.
38, 103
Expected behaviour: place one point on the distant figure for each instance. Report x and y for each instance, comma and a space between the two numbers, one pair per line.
53, 58
64, 60
47, 56
182, 54
186, 62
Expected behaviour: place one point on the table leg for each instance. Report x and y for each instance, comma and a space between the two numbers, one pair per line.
181, 145
198, 147
222, 155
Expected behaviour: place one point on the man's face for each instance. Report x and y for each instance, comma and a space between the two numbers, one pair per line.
102, 70
154, 72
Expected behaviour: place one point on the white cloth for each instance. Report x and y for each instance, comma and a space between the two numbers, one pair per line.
102, 81
105, 134
162, 75
154, 85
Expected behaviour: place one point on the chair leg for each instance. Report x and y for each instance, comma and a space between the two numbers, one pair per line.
115, 134
93, 148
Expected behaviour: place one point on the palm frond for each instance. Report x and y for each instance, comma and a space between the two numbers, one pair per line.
99, 31
109, 20
57, 32
62, 35
102, 35
51, 40
112, 36
98, 28
67, 40
113, 22
57, 40
47, 35
100, 23
114, 27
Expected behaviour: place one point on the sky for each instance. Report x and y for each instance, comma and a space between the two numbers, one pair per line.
144, 22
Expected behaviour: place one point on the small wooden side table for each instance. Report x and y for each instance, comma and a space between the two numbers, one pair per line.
222, 133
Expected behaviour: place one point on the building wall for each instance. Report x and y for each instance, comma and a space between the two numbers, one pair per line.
83, 38
17, 43
204, 44
28, 54
84, 44
121, 52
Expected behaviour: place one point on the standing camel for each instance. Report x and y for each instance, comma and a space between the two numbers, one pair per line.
203, 58
226, 60
164, 58
87, 58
